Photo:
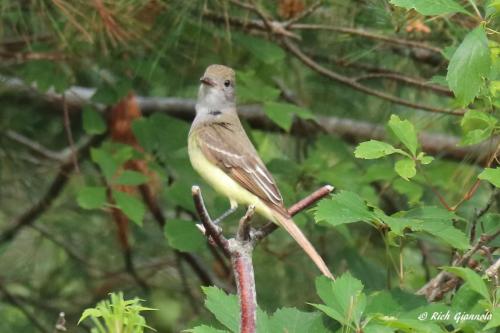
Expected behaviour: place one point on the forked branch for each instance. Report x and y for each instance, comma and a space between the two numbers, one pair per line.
240, 248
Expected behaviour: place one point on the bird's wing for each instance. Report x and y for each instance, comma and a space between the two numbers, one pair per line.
227, 146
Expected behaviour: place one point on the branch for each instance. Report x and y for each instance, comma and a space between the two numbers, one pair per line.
308, 201
369, 35
56, 187
240, 250
295, 50
352, 130
436, 288
417, 82
35, 146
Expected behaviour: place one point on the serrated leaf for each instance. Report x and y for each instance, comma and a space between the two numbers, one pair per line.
491, 175
374, 149
223, 306
291, 320
431, 7
130, 206
344, 298
130, 177
344, 207
438, 222
93, 122
89, 197
183, 235
469, 65
405, 168
475, 281
405, 132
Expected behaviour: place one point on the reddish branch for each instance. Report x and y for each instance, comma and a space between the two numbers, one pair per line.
240, 250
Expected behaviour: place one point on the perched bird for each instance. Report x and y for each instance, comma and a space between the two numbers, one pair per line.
221, 152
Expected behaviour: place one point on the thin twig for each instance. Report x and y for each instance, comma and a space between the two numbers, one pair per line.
369, 35
417, 82
69, 134
34, 146
295, 50
306, 12
295, 209
211, 229
436, 288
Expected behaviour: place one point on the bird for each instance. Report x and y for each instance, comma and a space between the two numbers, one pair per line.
221, 152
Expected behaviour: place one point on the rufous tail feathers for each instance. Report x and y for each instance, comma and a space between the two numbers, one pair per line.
300, 238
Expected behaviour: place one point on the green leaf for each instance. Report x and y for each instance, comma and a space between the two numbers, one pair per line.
291, 320
252, 89
224, 307
344, 207
495, 315
431, 7
282, 113
161, 134
344, 298
426, 159
105, 161
477, 126
183, 235
130, 177
91, 197
405, 132
438, 222
405, 168
469, 65
262, 49
130, 206
475, 281
374, 149
205, 329
93, 123
491, 175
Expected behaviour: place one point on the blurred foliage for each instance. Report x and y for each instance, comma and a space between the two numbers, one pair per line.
420, 212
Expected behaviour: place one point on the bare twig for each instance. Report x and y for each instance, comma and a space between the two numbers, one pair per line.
69, 134
369, 35
212, 230
35, 146
306, 12
295, 209
417, 82
436, 288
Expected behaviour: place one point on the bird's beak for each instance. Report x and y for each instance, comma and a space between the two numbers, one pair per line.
208, 81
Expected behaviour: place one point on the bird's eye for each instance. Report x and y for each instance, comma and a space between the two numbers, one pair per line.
227, 83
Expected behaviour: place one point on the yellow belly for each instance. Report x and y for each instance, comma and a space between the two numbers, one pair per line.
222, 183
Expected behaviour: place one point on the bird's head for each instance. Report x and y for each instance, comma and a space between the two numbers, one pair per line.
217, 88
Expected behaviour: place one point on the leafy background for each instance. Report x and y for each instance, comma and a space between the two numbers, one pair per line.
396, 105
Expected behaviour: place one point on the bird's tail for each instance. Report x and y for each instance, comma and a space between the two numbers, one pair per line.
294, 231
